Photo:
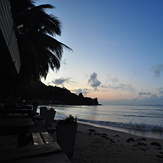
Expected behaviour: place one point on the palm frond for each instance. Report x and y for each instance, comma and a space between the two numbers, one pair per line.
49, 42
39, 50
36, 18
44, 6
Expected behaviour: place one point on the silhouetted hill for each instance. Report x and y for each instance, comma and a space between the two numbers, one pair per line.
55, 95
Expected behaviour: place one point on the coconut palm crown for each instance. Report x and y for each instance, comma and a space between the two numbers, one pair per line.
36, 31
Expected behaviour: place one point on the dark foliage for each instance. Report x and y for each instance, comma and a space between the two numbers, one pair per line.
36, 32
55, 95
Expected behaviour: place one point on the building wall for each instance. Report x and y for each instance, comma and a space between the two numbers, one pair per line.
9, 54
6, 27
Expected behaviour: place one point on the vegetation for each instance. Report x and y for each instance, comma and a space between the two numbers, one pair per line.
69, 120
39, 50
35, 32
54, 95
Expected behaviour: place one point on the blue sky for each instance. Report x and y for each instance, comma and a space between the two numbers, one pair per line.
117, 49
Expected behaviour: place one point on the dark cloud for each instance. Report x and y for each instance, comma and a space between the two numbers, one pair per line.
93, 81
60, 81
157, 70
144, 93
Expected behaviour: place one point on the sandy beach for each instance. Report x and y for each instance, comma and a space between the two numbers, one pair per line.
100, 145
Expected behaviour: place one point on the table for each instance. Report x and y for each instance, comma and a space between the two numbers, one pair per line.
15, 121
34, 153
15, 125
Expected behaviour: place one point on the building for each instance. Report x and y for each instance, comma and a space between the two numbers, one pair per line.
9, 54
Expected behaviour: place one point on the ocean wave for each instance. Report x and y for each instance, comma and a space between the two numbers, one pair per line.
130, 125
59, 116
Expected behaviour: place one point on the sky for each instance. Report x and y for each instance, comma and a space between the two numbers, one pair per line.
117, 47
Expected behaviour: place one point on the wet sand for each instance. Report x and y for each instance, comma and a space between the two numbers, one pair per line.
100, 145
142, 133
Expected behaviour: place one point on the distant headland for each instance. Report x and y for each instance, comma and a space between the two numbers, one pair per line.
55, 95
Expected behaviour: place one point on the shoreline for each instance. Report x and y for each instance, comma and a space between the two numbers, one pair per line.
136, 132
95, 144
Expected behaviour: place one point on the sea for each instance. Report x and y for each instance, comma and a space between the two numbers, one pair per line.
146, 121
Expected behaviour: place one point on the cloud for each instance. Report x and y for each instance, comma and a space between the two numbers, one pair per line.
152, 100
84, 91
157, 70
160, 90
122, 87
64, 62
114, 80
144, 93
60, 81
93, 81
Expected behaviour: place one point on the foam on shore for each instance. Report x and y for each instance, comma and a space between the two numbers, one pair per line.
99, 145
142, 133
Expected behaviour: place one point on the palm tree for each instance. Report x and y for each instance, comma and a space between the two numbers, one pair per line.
35, 31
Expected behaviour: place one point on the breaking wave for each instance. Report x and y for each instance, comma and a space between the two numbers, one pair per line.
130, 125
